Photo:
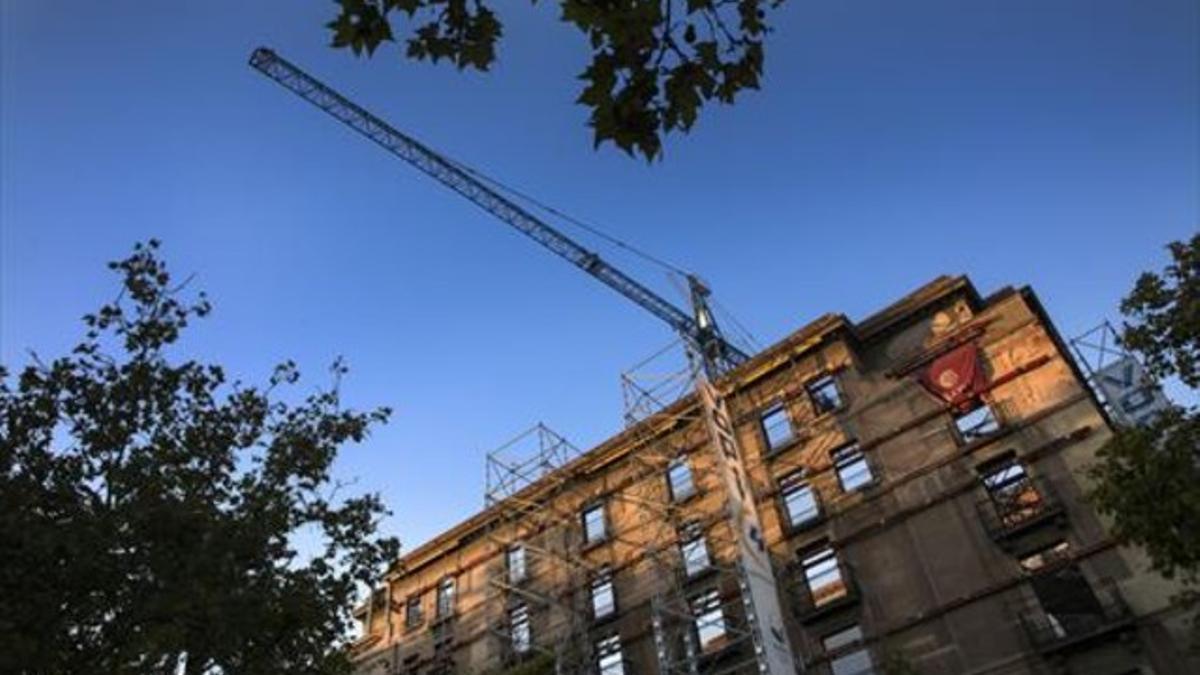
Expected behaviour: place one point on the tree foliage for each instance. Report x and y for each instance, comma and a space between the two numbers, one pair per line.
149, 508
654, 63
1165, 313
1150, 483
1148, 478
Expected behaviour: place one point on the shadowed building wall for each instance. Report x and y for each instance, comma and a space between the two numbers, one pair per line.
919, 475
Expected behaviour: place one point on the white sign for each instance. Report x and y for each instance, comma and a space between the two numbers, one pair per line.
770, 634
1134, 398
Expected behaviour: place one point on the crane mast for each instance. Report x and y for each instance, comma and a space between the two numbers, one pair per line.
699, 331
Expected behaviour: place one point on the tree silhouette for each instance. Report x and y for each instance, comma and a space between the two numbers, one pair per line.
1148, 478
654, 63
149, 507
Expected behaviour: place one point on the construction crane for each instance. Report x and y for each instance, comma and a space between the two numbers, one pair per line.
698, 330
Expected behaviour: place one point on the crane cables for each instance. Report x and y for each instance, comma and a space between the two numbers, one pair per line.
743, 334
568, 218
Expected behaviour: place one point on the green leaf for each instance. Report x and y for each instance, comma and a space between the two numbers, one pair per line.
644, 79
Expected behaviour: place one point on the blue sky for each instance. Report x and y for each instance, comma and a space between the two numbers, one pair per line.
1050, 143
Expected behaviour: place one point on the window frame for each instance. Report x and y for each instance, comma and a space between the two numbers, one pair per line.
819, 561
708, 610
516, 573
692, 536
681, 463
414, 612
792, 483
1015, 497
971, 434
852, 647
447, 587
604, 583
597, 506
990, 469
772, 445
604, 649
518, 617
840, 464
818, 383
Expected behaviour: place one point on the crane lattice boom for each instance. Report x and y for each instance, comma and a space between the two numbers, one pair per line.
705, 339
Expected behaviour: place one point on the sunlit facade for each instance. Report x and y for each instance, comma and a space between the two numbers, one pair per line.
919, 479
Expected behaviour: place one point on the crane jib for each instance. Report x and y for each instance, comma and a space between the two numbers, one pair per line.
449, 174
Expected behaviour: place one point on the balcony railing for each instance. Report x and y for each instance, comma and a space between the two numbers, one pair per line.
1050, 632
1020, 510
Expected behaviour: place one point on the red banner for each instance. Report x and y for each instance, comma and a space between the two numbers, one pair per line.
956, 376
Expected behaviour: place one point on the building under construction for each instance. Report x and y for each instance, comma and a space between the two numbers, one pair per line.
918, 478
898, 495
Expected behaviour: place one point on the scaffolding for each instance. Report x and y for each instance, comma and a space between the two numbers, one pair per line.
531, 455
551, 572
537, 514
682, 604
654, 383
1097, 349
1127, 392
664, 608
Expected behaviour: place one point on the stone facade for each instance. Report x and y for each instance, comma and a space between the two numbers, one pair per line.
908, 533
